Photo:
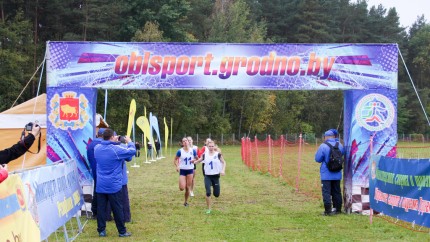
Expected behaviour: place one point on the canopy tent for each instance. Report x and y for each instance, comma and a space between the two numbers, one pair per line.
12, 123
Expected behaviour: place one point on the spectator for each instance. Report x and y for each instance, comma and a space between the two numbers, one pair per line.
157, 147
3, 173
330, 181
19, 148
93, 165
137, 149
149, 147
110, 158
336, 134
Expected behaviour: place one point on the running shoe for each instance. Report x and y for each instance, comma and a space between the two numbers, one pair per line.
208, 211
126, 234
186, 204
192, 193
102, 234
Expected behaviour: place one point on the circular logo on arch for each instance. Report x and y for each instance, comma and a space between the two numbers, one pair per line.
374, 112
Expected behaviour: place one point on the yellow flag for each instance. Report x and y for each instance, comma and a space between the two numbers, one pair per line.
131, 115
166, 134
143, 123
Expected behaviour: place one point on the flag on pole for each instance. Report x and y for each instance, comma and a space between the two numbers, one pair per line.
153, 121
131, 115
143, 123
166, 134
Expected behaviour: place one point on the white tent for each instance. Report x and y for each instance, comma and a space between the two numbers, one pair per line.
12, 123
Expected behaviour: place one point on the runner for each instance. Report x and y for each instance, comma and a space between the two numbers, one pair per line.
214, 167
184, 165
204, 150
195, 148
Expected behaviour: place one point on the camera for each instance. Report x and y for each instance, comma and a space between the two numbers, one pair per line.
29, 126
121, 138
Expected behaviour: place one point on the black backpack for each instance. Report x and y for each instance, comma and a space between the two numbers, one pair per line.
335, 160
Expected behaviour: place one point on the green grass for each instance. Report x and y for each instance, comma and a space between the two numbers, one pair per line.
253, 206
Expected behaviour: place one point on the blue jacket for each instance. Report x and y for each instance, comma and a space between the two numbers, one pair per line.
110, 159
322, 156
124, 169
90, 156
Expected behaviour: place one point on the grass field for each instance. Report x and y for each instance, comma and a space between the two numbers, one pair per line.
252, 207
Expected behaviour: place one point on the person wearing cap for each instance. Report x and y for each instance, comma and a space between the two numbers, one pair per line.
330, 181
336, 134
110, 159
93, 165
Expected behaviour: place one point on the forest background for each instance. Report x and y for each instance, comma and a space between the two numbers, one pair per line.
26, 25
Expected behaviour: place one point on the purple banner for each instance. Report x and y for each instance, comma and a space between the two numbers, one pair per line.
222, 66
400, 188
369, 114
70, 126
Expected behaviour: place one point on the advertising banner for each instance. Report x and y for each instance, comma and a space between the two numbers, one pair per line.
400, 188
369, 114
116, 65
18, 217
54, 198
71, 124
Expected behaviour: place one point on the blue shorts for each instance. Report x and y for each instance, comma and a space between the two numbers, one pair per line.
183, 172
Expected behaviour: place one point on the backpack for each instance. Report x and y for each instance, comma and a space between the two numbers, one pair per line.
335, 160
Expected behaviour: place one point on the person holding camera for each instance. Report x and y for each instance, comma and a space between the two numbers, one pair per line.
3, 173
22, 146
110, 158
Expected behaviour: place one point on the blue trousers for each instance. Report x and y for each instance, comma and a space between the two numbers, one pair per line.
331, 192
125, 206
115, 201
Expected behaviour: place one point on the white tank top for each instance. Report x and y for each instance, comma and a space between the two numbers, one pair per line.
213, 165
185, 159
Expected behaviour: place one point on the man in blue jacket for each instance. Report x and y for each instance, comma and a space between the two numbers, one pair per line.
93, 165
110, 158
330, 181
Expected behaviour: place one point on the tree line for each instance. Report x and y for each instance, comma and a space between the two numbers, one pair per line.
26, 25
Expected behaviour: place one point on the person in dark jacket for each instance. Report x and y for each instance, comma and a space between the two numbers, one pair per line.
93, 165
330, 181
19, 148
137, 149
157, 147
110, 158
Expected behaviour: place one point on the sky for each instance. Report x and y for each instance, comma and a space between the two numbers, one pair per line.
408, 10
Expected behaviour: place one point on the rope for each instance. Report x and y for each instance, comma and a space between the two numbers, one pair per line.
35, 102
38, 86
43, 63
416, 92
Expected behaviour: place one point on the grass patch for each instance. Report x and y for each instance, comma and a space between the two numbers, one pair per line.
252, 207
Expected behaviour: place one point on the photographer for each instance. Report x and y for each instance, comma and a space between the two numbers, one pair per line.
21, 147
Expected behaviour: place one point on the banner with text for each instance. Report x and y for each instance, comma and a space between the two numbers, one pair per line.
134, 65
400, 188
53, 194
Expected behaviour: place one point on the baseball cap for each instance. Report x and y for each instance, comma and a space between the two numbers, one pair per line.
100, 132
335, 133
329, 133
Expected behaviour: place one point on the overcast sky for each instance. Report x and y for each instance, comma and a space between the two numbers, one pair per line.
408, 10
